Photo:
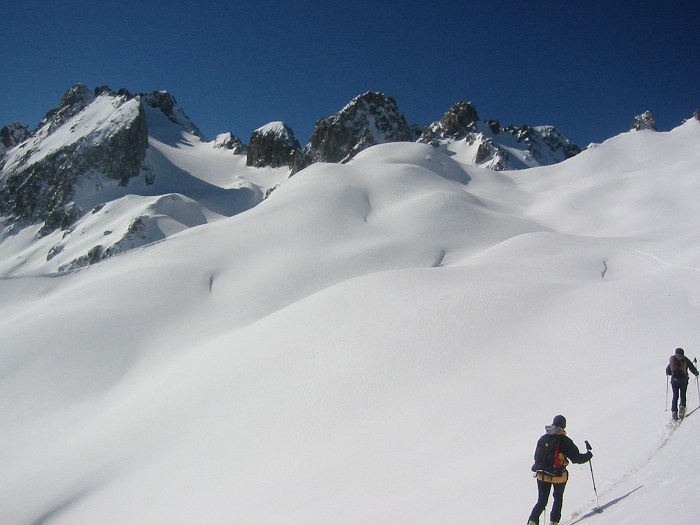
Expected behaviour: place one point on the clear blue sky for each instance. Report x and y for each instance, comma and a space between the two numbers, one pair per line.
587, 67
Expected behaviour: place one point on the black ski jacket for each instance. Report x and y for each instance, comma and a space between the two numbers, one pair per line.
678, 369
569, 451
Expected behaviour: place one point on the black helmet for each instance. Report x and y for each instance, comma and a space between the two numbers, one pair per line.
559, 421
679, 351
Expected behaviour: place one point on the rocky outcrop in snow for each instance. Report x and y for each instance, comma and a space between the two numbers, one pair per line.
273, 145
10, 136
488, 145
644, 121
369, 119
229, 141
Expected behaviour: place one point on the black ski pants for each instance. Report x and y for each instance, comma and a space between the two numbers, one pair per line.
680, 389
543, 489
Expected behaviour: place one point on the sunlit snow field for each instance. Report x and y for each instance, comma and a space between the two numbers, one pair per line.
380, 342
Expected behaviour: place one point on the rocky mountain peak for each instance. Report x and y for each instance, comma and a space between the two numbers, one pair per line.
166, 103
273, 145
369, 119
460, 119
488, 145
73, 102
78, 95
644, 121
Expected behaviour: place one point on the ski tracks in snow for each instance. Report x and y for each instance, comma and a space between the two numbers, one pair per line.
667, 431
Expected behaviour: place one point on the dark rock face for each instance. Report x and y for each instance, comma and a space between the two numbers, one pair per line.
11, 135
38, 182
372, 118
644, 121
544, 140
459, 120
166, 103
273, 145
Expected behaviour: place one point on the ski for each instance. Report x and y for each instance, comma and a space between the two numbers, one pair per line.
674, 423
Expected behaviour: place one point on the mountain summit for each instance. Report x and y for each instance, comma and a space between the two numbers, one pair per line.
369, 119
273, 145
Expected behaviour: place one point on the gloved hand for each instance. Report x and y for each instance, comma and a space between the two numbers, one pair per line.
590, 455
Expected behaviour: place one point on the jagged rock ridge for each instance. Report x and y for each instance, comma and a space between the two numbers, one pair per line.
100, 138
487, 144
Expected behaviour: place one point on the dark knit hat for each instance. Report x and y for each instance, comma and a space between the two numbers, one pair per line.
559, 421
679, 351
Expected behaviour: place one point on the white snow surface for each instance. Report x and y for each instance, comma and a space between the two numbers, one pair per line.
276, 128
378, 342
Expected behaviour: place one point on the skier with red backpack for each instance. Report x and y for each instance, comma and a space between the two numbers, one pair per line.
553, 452
678, 366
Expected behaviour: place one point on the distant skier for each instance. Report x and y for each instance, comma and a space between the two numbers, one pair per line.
678, 366
552, 454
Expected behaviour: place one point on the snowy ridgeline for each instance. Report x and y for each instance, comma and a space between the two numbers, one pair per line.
108, 172
380, 341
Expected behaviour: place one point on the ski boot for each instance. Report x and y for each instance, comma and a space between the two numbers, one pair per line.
681, 412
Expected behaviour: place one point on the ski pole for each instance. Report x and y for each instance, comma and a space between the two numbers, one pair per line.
595, 490
695, 360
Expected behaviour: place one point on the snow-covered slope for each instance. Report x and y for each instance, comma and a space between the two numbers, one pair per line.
377, 342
